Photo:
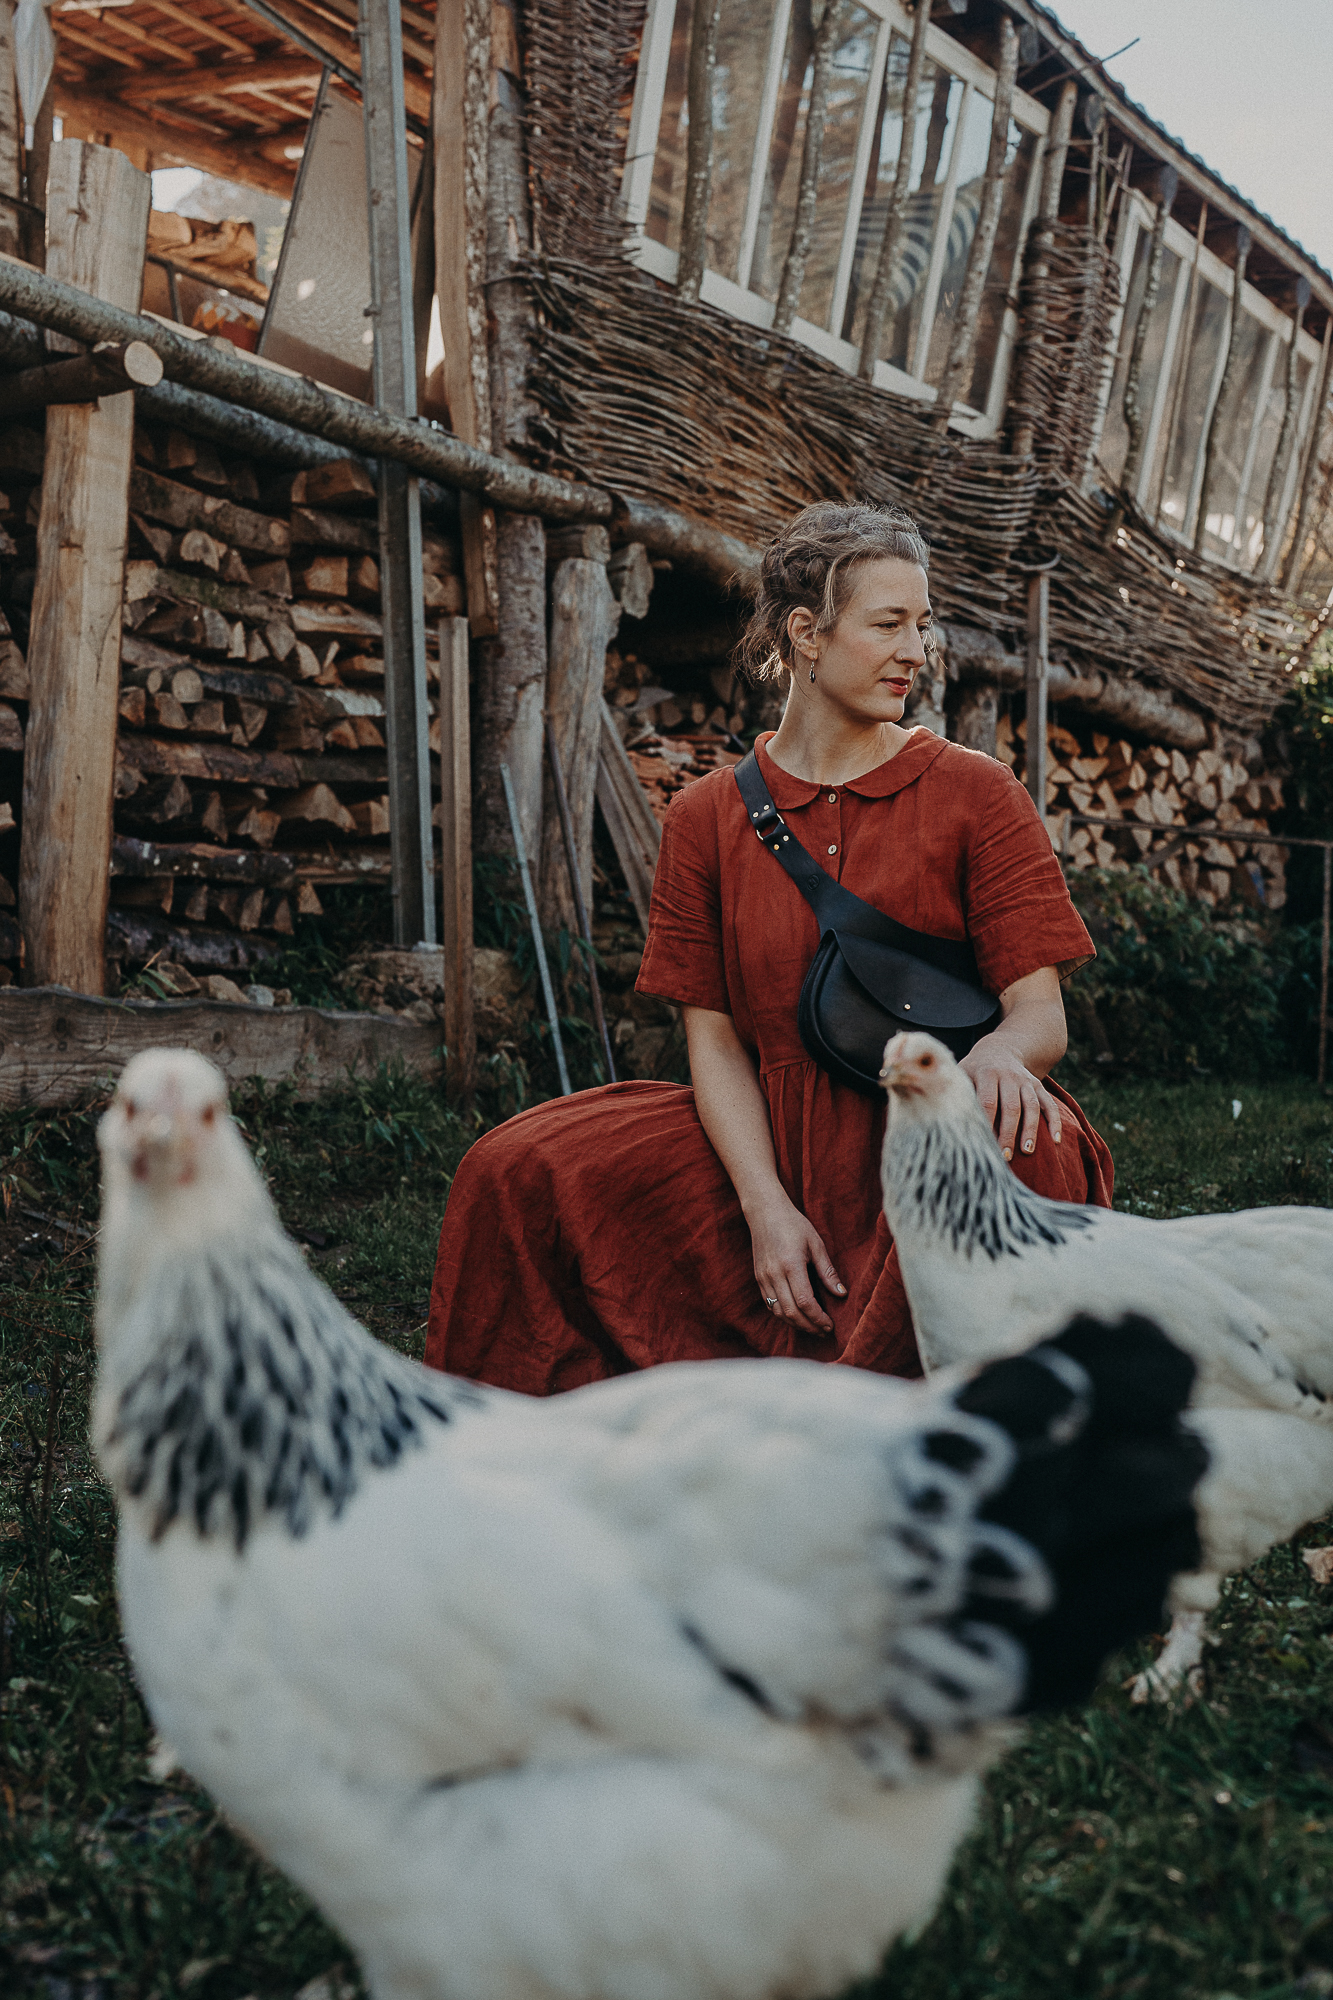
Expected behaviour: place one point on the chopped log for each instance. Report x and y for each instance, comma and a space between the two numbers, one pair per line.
110, 369
227, 600
181, 507
256, 825
630, 820
141, 660
59, 1047
630, 574
584, 618
325, 577
587, 540
333, 531
15, 680
344, 483
363, 580
205, 864
214, 762
97, 217
194, 546
455, 822
318, 806
335, 621
273, 578
133, 707
443, 595
371, 817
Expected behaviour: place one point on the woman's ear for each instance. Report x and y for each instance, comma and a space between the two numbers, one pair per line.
802, 632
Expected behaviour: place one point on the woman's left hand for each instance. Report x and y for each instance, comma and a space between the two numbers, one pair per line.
1013, 1099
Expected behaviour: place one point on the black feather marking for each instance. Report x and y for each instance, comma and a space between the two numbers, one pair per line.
951, 1181
264, 1400
735, 1677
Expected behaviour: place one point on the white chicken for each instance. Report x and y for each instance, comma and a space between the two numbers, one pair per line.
990, 1267
673, 1688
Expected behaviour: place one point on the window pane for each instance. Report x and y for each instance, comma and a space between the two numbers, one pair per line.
1114, 447
990, 324
974, 141
1232, 438
667, 200
743, 34
1191, 392
1270, 430
847, 88
938, 99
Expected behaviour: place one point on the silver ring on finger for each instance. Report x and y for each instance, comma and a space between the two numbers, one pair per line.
770, 1303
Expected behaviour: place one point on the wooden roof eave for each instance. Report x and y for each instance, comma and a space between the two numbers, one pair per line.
1138, 126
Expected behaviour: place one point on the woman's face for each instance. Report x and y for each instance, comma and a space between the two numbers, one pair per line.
865, 666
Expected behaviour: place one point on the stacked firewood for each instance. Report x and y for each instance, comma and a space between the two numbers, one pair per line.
671, 737
1183, 814
251, 764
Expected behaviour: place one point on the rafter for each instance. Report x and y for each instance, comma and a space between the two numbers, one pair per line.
201, 26
226, 79
121, 21
237, 159
64, 33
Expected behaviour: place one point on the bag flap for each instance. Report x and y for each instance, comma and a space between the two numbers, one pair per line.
911, 990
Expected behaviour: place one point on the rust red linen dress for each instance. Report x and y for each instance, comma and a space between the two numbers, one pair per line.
600, 1233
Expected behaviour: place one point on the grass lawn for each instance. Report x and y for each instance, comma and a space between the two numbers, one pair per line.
1179, 1852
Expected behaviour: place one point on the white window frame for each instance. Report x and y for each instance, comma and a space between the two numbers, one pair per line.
734, 297
1138, 218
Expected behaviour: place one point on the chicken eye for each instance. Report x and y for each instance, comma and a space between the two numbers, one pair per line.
129, 1107
927, 1062
208, 1114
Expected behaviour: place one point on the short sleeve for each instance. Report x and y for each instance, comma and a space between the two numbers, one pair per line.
683, 959
1019, 916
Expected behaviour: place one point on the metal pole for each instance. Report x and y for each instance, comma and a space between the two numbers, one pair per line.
1034, 763
539, 947
1323, 963
395, 380
580, 907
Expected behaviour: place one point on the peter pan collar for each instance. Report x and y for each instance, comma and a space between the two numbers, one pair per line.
920, 750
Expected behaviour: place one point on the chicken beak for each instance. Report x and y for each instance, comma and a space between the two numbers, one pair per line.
891, 1075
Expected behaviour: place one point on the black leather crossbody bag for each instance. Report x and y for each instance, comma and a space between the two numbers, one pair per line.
871, 977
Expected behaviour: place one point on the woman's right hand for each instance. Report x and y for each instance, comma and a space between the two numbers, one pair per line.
786, 1244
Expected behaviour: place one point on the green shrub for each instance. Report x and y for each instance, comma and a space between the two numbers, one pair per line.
1179, 987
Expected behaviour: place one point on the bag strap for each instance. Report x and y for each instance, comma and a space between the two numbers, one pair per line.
837, 908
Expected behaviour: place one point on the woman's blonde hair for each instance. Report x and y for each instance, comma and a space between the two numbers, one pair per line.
812, 563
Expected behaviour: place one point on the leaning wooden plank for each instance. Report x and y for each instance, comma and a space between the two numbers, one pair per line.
58, 1046
630, 820
97, 219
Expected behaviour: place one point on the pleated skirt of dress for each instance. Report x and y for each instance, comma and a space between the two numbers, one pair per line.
599, 1234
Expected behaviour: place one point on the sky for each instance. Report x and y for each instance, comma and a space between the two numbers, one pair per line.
1245, 84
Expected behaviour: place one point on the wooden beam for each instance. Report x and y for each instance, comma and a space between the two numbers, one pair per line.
223, 79
200, 25
96, 228
698, 149
107, 371
61, 1047
116, 17
106, 50
630, 819
459, 126
460, 1032
97, 112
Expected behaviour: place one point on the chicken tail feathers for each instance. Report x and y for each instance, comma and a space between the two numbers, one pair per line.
1103, 1487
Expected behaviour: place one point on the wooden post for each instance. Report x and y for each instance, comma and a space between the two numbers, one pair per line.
976, 716
97, 222
630, 821
1034, 762
812, 153
584, 618
1039, 270
1295, 554
462, 82
698, 148
11, 161
954, 383
460, 1032
1167, 182
1277, 471
1228, 373
877, 306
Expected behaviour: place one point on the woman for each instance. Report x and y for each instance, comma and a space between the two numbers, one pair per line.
646, 1222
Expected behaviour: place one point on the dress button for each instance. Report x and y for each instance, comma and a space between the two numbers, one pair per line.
833, 798
833, 850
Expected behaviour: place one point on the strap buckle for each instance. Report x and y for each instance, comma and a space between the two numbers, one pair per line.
766, 819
